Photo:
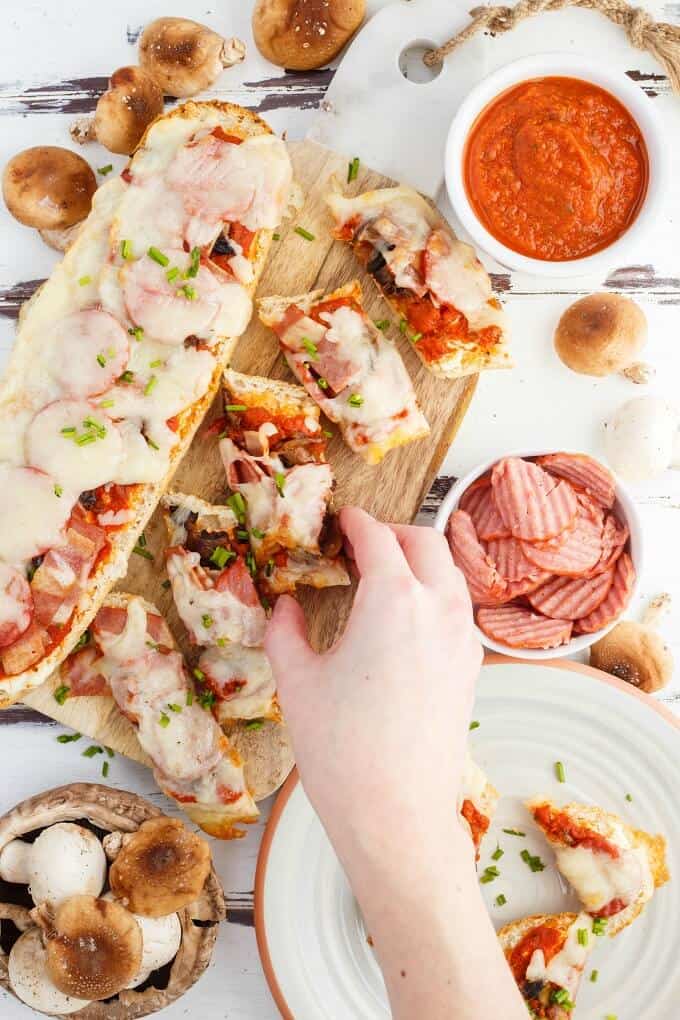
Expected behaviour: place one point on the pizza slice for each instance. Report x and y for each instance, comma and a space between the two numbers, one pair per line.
209, 565
613, 868
273, 450
433, 282
477, 802
131, 654
348, 367
547, 955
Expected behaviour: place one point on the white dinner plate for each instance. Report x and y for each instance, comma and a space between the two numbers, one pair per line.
613, 742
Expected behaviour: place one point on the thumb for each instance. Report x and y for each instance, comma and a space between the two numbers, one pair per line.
286, 641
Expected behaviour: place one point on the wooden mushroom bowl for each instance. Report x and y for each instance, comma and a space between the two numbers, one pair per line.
103, 811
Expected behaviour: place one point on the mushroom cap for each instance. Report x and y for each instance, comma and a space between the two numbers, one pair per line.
183, 56
14, 862
161, 868
601, 334
65, 860
94, 946
305, 34
48, 187
30, 980
634, 653
132, 100
640, 438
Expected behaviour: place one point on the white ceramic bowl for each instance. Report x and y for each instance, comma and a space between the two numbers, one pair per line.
559, 65
624, 507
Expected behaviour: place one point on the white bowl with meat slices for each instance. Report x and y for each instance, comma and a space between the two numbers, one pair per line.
550, 545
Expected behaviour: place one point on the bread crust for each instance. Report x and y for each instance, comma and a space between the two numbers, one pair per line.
112, 568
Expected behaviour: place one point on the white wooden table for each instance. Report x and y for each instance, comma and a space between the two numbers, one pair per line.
56, 59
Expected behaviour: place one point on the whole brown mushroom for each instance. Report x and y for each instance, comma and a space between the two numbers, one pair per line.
636, 652
602, 334
131, 102
184, 57
51, 189
305, 34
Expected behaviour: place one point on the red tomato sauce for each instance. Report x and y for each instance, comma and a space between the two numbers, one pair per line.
546, 938
561, 827
556, 168
478, 822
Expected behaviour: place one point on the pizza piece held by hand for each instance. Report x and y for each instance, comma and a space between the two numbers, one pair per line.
433, 282
348, 367
613, 868
273, 450
547, 955
477, 802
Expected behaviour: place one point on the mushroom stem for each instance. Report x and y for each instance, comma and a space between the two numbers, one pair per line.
233, 52
639, 373
657, 609
82, 130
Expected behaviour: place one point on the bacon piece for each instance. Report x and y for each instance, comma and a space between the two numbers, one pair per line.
479, 569
26, 651
616, 600
81, 673
614, 537
112, 620
16, 604
531, 503
584, 472
61, 577
520, 628
578, 553
565, 598
511, 561
236, 578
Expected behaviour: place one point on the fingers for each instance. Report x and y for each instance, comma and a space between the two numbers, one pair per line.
374, 546
428, 555
285, 641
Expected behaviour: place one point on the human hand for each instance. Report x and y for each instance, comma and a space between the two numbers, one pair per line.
379, 722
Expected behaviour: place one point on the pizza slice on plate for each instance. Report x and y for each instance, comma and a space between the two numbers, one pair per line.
547, 955
477, 802
433, 282
347, 366
131, 654
273, 450
613, 868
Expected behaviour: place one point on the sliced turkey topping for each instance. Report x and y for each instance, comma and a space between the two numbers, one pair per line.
33, 517
75, 441
124, 634
88, 351
16, 605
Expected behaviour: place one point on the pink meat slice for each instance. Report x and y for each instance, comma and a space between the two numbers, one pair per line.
510, 559
573, 557
469, 556
616, 600
583, 471
615, 534
514, 590
521, 628
472, 497
486, 518
564, 598
531, 503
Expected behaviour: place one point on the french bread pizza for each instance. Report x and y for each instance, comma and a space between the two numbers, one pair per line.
547, 955
613, 868
131, 655
117, 358
348, 367
434, 283
477, 802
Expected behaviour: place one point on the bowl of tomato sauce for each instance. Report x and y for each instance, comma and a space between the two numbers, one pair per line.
555, 166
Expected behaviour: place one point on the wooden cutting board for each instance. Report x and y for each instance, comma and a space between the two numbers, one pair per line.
392, 490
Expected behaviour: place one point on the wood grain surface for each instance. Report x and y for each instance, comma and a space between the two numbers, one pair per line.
393, 490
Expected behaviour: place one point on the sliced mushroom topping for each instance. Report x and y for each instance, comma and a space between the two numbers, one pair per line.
160, 869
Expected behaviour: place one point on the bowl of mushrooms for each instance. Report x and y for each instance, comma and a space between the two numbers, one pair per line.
108, 908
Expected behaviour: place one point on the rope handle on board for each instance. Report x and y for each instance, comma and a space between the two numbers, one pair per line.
656, 37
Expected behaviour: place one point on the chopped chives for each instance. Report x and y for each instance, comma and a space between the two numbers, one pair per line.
58, 491
251, 564
156, 364
501, 900
269, 568
149, 388
101, 359
189, 292
256, 533
137, 332
96, 426
238, 505
110, 752
104, 170
327, 433
126, 377
143, 552
560, 997
403, 325
242, 534
106, 403
82, 640
190, 697
474, 725
415, 337
514, 832
150, 442
221, 556
594, 974
195, 263
157, 255
254, 724
533, 862
68, 738
497, 854
489, 875
206, 700
276, 237
560, 773
92, 750
599, 925
164, 720
355, 400
305, 233
207, 620
142, 540
172, 274
322, 383
235, 407
629, 797
86, 439
582, 936
68, 430
105, 769
174, 707
126, 249
199, 674
382, 324
280, 480
353, 170
84, 280
310, 347
221, 642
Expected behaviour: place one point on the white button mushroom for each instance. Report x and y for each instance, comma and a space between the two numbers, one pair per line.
65, 859
30, 982
161, 938
641, 438
184, 57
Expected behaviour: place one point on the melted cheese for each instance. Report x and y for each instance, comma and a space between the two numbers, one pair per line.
211, 615
599, 878
454, 274
52, 446
32, 516
566, 967
132, 642
86, 352
15, 603
233, 662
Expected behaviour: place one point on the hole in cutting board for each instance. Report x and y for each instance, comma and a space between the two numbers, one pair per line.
412, 65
